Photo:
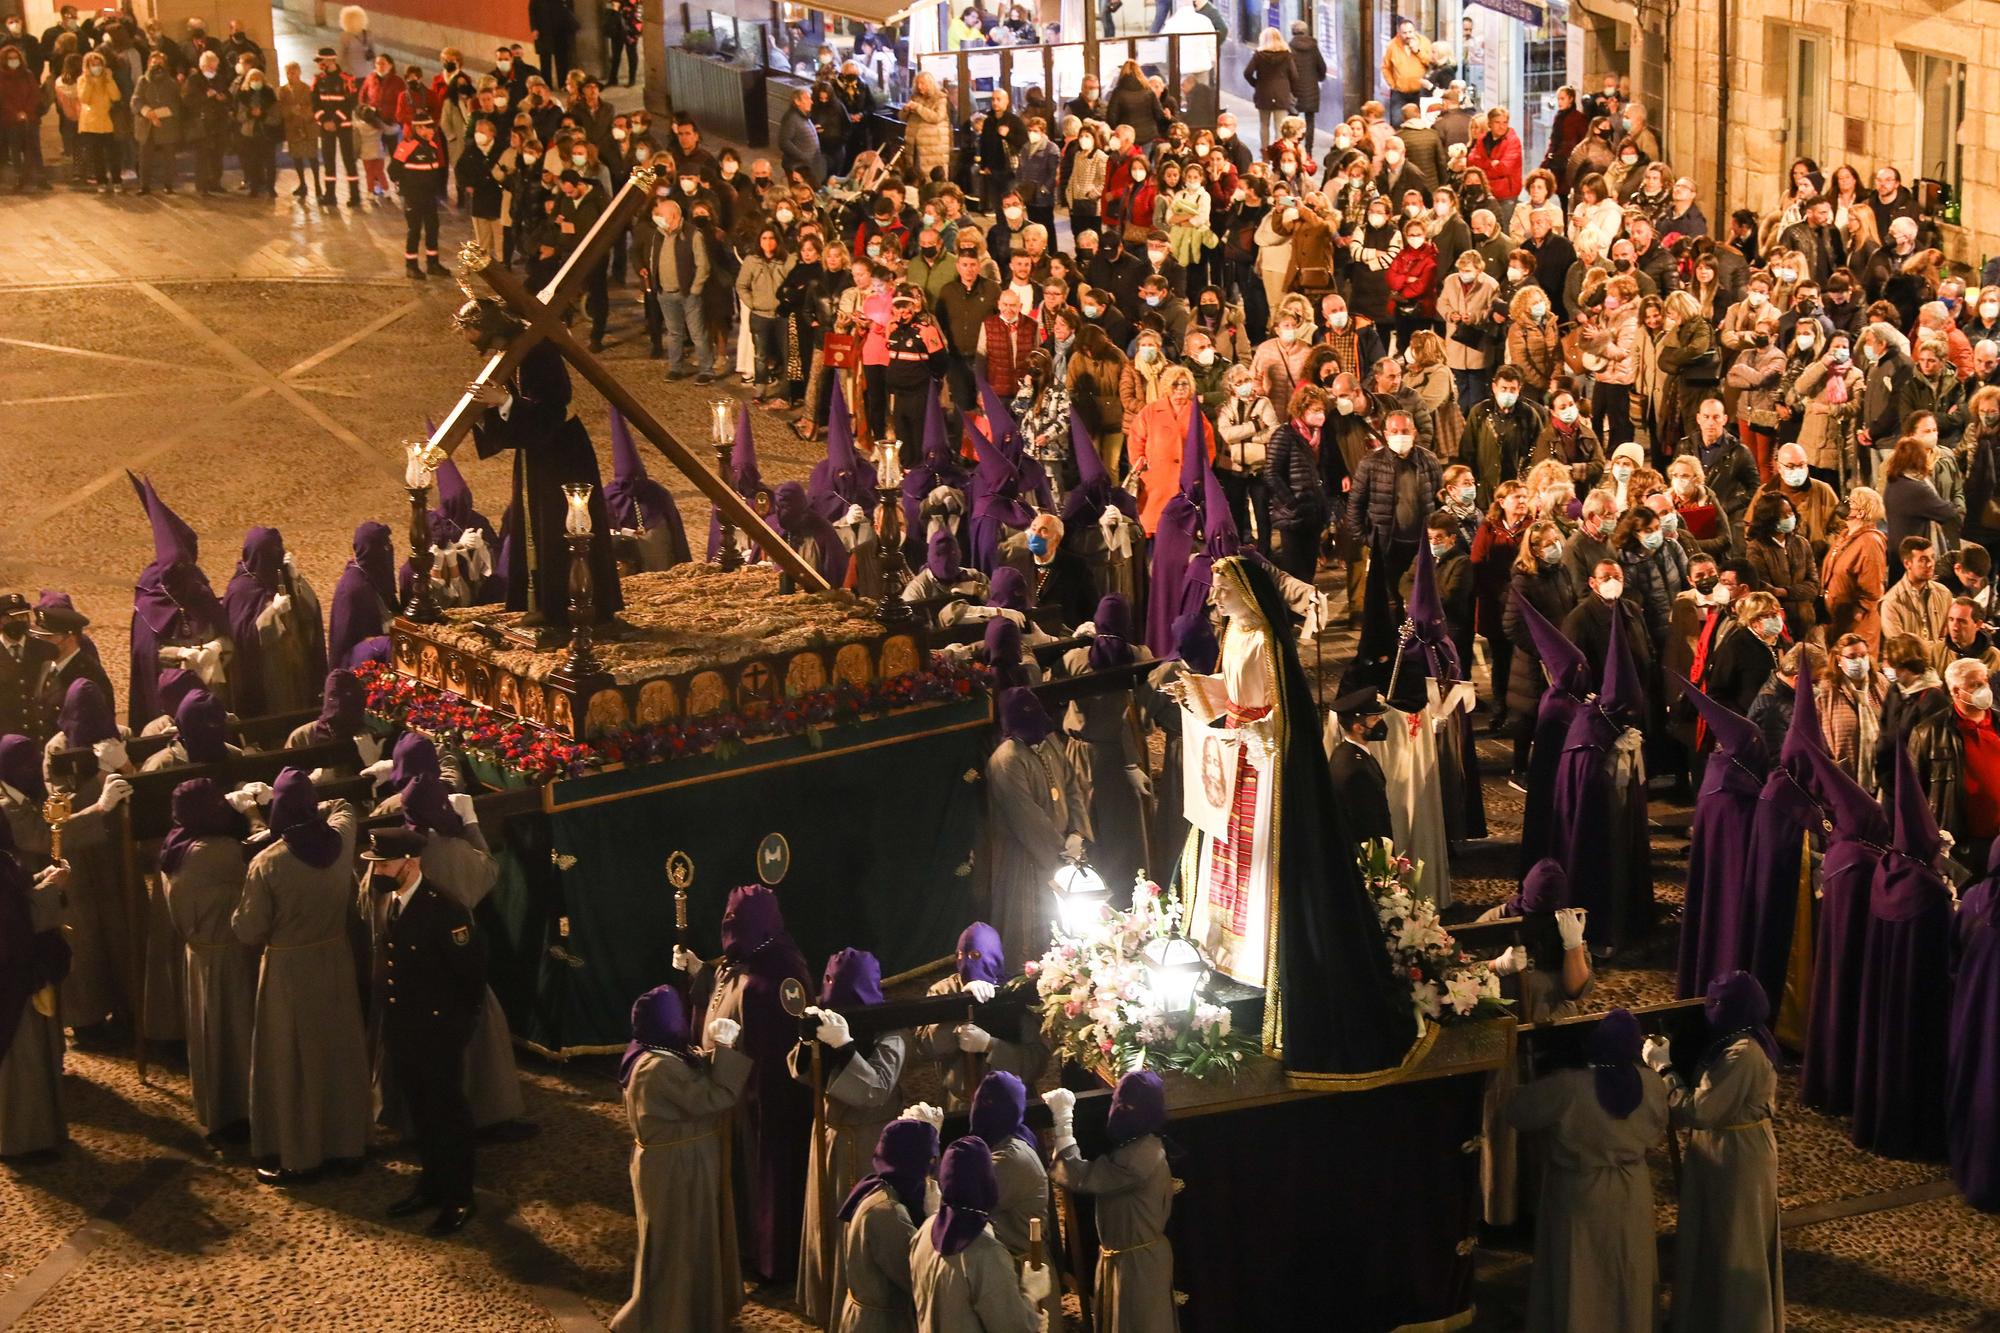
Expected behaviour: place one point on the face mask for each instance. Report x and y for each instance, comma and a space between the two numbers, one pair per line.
381, 883
1013, 215
1344, 406
1289, 333
874, 249
504, 65
1246, 389
1315, 418
1467, 494
1629, 159
1378, 219
1622, 471
1552, 553
1539, 311
1516, 275
1724, 594
1138, 173
660, 221
1788, 523
1756, 300
499, 104
1439, 550
1415, 242
1611, 589
1856, 670
1840, 356
1402, 444
618, 134
484, 140
1225, 133
1785, 274
1149, 354
579, 160
1770, 626
1653, 540
1037, 138
1506, 398
1157, 256
531, 158
1086, 144
1566, 415
1038, 544
1092, 311
783, 215
1337, 320
1466, 276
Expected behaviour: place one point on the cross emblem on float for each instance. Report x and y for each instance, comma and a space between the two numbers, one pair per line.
755, 682
541, 313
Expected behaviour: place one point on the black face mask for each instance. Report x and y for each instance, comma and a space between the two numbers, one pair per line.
14, 629
381, 883
1378, 730
928, 251
1706, 586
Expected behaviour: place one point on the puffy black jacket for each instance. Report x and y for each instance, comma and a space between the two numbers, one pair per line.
1292, 474
1371, 507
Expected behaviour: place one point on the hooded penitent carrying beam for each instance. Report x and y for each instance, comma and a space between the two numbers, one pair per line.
1713, 915
542, 315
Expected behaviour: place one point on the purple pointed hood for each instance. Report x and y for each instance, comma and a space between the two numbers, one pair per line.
1737, 1006
413, 757
295, 817
375, 557
743, 472
202, 725
21, 769
1095, 488
843, 477
1735, 735
1173, 550
751, 921
1613, 1051
967, 1191
903, 1157
1567, 667
1855, 814
1194, 455
1804, 734
172, 594
1914, 832
176, 684
1138, 1107
1008, 590
981, 955
343, 708
1620, 693
85, 717
1426, 608
1022, 717
1113, 645
1000, 1109
1543, 889
174, 542
659, 1023
634, 499
454, 499
1004, 431
853, 978
1195, 643
427, 808
1220, 536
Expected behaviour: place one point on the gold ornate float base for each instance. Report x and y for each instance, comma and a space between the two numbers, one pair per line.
701, 641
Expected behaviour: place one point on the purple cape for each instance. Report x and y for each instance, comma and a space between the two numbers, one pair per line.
799, 521
258, 579
367, 588
1725, 813
1901, 1040
1854, 853
1789, 816
1604, 842
1567, 672
1972, 1088
172, 602
634, 499
843, 477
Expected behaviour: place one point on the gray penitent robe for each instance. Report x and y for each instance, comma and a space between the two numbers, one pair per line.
1033, 802
875, 1257
1026, 1055
973, 1291
1024, 1195
1728, 1264
291, 652
31, 1117
31, 833
860, 1100
221, 991
302, 737
1110, 767
95, 916
1595, 1264
309, 1059
1134, 1190
685, 1274
166, 961
463, 868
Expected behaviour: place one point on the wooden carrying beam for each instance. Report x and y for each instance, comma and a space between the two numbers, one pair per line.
543, 315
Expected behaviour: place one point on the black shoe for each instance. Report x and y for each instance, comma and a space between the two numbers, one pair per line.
354, 198
346, 1166
452, 1219
654, 354
413, 269
704, 378
299, 193
597, 344
431, 265
282, 1179
328, 199
413, 1203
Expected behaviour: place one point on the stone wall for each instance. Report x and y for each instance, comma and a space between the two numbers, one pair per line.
1871, 106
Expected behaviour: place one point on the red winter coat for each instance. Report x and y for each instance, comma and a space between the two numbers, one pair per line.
384, 94
20, 97
1412, 276
1501, 163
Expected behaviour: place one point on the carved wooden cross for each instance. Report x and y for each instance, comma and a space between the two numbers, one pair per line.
542, 312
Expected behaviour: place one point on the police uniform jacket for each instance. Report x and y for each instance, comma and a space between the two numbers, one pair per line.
430, 975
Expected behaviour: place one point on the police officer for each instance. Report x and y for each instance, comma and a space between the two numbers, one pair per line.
24, 670
418, 168
430, 982
1358, 781
334, 100
916, 362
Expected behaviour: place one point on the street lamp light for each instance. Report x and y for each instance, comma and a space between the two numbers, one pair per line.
1081, 894
1175, 970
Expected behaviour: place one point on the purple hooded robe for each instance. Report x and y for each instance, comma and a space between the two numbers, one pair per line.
1602, 837
1725, 811
172, 603
1854, 851
1972, 1087
364, 600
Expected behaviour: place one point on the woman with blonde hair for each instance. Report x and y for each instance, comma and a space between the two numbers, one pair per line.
1689, 358
1855, 572
1158, 435
1534, 340
1431, 380
1270, 74
97, 92
928, 138
1702, 516
1851, 695
1552, 492
1742, 662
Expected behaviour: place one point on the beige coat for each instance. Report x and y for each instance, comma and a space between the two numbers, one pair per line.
309, 1060
1460, 303
1728, 1270
928, 137
1134, 1191
684, 1275
875, 1255
973, 1291
220, 1003
860, 1100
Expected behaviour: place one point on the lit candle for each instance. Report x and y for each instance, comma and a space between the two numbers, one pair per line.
722, 420
420, 464
577, 521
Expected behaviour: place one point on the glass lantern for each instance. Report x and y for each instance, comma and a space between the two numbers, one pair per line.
420, 464
722, 420
576, 521
1175, 970
1081, 894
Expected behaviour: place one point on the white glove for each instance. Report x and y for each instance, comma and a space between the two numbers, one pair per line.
259, 791
111, 755
1073, 846
1569, 921
981, 991
368, 745
933, 1196
924, 1111
281, 604
461, 805
378, 770
1087, 630
724, 1032
1508, 963
1062, 1106
242, 800
116, 792
1037, 1281
974, 1038
52, 877
833, 1030
686, 960
1657, 1053
855, 516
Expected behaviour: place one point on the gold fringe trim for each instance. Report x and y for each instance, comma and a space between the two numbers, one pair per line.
1448, 1324
1377, 1078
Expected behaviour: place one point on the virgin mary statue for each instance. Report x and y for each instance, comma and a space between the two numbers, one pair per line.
1276, 895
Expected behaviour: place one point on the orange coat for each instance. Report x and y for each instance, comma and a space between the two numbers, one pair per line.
1156, 447
1852, 576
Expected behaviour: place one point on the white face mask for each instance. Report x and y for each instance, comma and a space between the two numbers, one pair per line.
1805, 342
1566, 415
1506, 398
618, 134
1785, 274
1611, 589
483, 140
1337, 320
1981, 699
1086, 144
1795, 477
1205, 357
1402, 444
1854, 668
1989, 310
1247, 389
1225, 133
1516, 275
1013, 215
1756, 299
1539, 311
1289, 333
1138, 173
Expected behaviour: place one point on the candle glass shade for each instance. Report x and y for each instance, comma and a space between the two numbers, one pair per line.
576, 520
1081, 895
1174, 973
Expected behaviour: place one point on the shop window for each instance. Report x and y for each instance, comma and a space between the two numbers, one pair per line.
1940, 89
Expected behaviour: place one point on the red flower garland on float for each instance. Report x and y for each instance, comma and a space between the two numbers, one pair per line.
541, 756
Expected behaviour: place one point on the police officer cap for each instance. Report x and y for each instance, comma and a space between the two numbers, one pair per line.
399, 843
1364, 702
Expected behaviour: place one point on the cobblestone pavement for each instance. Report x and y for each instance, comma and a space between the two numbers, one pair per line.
263, 363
